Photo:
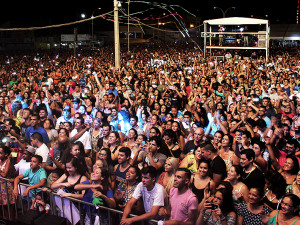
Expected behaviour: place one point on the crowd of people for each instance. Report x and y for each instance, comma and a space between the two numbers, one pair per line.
170, 136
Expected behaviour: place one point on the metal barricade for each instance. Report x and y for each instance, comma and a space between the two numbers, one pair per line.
70, 208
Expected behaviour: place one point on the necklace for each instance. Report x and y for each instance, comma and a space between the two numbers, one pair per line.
248, 174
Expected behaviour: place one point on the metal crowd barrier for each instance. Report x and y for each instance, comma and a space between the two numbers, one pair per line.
23, 204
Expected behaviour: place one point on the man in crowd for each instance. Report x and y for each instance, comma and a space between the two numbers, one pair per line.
153, 195
183, 202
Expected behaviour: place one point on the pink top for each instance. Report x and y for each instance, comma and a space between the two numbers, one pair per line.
181, 204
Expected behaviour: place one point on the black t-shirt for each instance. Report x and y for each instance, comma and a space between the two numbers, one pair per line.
190, 145
218, 166
254, 179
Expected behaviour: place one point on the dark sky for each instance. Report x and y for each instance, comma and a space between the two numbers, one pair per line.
44, 13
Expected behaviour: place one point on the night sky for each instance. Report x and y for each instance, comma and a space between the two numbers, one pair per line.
45, 13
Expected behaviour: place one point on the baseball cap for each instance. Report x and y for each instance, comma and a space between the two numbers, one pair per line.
72, 83
30, 149
67, 108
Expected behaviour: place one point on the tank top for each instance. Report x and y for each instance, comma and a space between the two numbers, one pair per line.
71, 189
198, 192
273, 220
121, 176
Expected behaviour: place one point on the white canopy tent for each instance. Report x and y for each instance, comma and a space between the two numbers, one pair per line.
263, 42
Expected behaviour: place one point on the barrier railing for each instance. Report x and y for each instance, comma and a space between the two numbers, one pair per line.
74, 210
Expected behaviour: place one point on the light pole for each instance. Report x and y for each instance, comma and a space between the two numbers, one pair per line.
93, 26
224, 13
116, 34
128, 34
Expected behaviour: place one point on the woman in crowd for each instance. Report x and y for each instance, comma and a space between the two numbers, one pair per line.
52, 133
226, 152
124, 191
291, 165
273, 191
96, 191
166, 178
192, 161
250, 212
176, 127
114, 142
240, 191
74, 174
295, 187
130, 142
217, 141
6, 171
201, 180
289, 213
96, 133
170, 138
218, 209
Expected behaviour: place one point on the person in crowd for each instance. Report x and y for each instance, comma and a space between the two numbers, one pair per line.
218, 209
251, 176
250, 212
170, 138
41, 148
152, 193
124, 191
66, 117
273, 191
240, 191
291, 165
217, 164
190, 145
52, 133
185, 212
226, 152
85, 138
74, 174
6, 172
201, 179
35, 127
166, 178
289, 213
121, 169
96, 190
150, 156
37, 178
96, 133
295, 187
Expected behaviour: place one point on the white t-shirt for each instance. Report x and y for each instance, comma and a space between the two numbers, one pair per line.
85, 139
43, 151
21, 166
155, 197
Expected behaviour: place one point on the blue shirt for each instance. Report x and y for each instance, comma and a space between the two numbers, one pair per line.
35, 178
30, 130
88, 195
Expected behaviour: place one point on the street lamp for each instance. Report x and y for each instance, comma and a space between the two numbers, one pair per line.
224, 13
93, 26
128, 34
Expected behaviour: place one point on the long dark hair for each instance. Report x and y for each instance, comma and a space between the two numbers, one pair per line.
227, 205
77, 164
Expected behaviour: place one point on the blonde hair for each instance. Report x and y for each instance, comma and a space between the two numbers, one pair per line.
175, 164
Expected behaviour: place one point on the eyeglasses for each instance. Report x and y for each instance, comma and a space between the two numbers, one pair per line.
285, 204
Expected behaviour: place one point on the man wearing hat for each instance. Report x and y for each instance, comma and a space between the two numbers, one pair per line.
66, 117
24, 163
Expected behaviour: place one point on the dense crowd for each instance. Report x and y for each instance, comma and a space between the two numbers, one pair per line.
170, 136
